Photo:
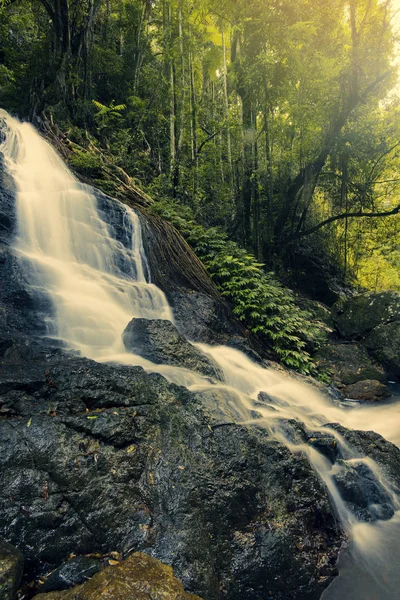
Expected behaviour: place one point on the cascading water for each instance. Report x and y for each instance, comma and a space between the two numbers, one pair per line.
98, 283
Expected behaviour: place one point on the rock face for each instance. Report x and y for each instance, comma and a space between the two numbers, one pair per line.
349, 363
11, 567
100, 458
140, 577
161, 342
374, 319
369, 391
201, 318
22, 308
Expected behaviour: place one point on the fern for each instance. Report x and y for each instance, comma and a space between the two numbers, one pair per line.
106, 114
258, 299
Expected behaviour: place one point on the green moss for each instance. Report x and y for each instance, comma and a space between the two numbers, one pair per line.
86, 163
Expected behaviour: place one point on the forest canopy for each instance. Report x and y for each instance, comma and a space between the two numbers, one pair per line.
273, 120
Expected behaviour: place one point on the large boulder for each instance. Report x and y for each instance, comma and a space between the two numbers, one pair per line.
349, 363
160, 341
384, 343
359, 315
99, 458
11, 567
140, 577
368, 391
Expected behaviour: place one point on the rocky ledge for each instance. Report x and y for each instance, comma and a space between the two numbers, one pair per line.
103, 458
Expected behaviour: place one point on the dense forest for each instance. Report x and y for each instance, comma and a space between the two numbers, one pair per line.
268, 132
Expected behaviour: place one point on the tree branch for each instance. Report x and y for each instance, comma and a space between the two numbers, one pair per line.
210, 137
349, 215
381, 157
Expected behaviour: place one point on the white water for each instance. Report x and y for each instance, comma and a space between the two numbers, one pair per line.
98, 284
71, 250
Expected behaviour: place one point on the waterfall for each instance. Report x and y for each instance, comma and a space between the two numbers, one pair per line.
97, 283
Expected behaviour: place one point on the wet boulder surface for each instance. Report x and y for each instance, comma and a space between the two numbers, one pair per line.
100, 458
349, 363
367, 391
160, 342
359, 315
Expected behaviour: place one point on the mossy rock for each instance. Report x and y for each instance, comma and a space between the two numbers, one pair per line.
367, 391
140, 577
11, 567
384, 343
361, 314
349, 363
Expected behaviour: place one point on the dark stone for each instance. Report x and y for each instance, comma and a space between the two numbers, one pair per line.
368, 391
363, 492
265, 398
11, 568
148, 468
161, 342
349, 363
22, 308
359, 315
326, 445
384, 343
73, 572
373, 445
201, 318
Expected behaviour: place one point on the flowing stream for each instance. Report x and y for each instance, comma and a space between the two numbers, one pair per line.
98, 283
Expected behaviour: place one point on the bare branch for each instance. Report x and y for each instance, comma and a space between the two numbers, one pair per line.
349, 215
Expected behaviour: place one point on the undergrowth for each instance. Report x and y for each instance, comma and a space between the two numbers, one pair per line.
258, 299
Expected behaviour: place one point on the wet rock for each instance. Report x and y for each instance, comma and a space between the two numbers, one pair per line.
200, 318
11, 567
161, 342
140, 577
363, 492
373, 445
73, 572
99, 458
384, 343
357, 316
367, 391
349, 363
325, 445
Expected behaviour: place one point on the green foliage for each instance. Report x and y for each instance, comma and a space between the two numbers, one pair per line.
86, 163
107, 116
258, 299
